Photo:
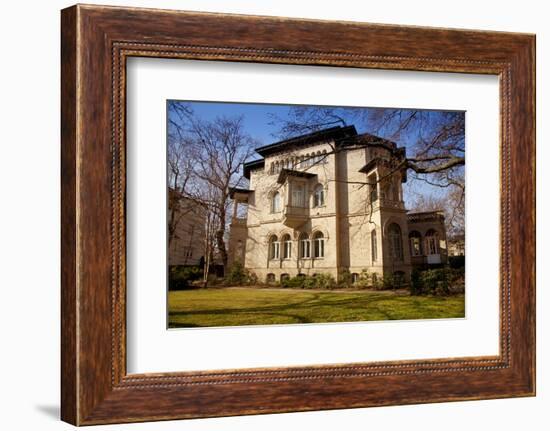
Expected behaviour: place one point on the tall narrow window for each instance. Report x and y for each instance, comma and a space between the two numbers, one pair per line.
273, 247
318, 245
319, 196
276, 202
395, 241
287, 246
415, 240
373, 246
305, 246
432, 242
373, 187
298, 195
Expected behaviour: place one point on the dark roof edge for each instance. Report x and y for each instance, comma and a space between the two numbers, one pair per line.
251, 165
439, 214
233, 190
337, 132
292, 173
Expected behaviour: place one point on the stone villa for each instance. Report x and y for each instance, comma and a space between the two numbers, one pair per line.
328, 202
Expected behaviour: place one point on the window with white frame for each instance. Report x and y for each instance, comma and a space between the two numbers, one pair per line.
318, 245
276, 202
287, 246
318, 196
298, 195
432, 242
305, 246
273, 247
373, 246
415, 240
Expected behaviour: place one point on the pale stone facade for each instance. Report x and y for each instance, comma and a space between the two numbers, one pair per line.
326, 203
186, 247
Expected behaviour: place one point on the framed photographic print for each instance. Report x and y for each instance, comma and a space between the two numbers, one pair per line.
265, 215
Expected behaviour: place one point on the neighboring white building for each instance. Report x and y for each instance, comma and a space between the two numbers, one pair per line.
310, 210
186, 245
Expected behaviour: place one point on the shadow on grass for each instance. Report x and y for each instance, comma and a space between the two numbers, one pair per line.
261, 317
294, 311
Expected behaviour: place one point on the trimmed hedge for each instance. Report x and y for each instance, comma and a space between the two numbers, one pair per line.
319, 281
441, 281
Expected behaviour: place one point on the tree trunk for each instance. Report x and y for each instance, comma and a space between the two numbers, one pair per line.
220, 233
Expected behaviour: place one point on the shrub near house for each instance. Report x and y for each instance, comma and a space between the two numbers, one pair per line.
181, 277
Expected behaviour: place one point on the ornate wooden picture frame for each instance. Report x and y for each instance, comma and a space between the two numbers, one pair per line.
96, 41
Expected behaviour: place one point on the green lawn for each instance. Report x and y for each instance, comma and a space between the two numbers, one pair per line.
246, 306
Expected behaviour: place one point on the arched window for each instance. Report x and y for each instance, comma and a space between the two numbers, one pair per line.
373, 246
318, 245
318, 196
354, 277
396, 242
270, 278
415, 240
284, 277
273, 247
287, 246
432, 242
276, 202
325, 158
305, 246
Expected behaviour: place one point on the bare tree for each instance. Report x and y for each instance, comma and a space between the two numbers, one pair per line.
435, 144
451, 202
212, 159
438, 136
179, 166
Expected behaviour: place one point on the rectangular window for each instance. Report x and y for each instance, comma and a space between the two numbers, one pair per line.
305, 251
274, 250
319, 247
298, 193
276, 203
373, 245
287, 250
373, 187
415, 246
432, 246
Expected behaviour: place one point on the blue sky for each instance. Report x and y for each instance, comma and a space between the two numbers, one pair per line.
257, 119
256, 116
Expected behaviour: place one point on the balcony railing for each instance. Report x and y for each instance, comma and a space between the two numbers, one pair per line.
387, 203
296, 211
295, 216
